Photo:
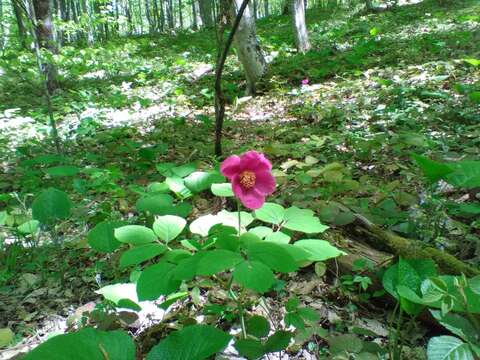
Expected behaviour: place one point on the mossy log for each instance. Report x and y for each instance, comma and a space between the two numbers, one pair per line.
382, 240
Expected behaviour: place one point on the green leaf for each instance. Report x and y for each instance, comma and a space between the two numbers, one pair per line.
184, 170
29, 227
196, 342
51, 205
261, 231
474, 284
318, 250
216, 261
303, 220
199, 181
60, 171
278, 237
448, 348
224, 190
117, 292
250, 348
177, 185
168, 227
472, 61
272, 255
258, 326
102, 238
254, 275
433, 170
270, 213
86, 344
141, 253
347, 342
157, 280
135, 234
456, 324
6, 337
308, 314
156, 204
466, 174
278, 341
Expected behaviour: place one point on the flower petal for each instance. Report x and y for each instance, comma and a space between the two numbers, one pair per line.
230, 166
255, 161
265, 182
251, 198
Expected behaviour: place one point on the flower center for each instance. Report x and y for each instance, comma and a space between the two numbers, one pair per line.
247, 179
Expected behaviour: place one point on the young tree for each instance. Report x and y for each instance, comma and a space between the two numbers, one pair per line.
20, 25
299, 27
46, 39
248, 48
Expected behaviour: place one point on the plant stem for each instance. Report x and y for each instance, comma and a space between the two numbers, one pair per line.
239, 219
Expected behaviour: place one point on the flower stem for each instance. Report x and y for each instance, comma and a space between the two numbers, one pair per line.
239, 219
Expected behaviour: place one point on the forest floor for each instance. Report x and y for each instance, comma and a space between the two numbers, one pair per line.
380, 87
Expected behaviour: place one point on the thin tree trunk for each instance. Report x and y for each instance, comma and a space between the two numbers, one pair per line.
151, 24
299, 27
20, 26
128, 14
248, 48
180, 13
255, 9
2, 28
265, 6
194, 16
45, 35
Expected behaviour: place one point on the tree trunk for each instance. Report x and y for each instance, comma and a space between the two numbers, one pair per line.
265, 6
194, 16
286, 8
248, 48
46, 40
206, 12
21, 27
299, 27
180, 13
255, 9
2, 28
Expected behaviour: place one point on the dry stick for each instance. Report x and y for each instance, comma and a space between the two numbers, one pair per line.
30, 12
219, 96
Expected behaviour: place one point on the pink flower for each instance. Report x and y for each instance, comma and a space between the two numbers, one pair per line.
251, 177
305, 81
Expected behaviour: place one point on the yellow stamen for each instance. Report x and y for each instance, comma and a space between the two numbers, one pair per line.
247, 179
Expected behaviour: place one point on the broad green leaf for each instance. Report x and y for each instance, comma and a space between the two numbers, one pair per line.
258, 326
196, 342
168, 227
102, 238
433, 170
319, 250
474, 284
278, 341
156, 204
303, 220
345, 342
272, 255
50, 206
224, 190
254, 275
61, 171
157, 280
29, 227
466, 174
117, 292
448, 348
250, 348
184, 169
141, 253
271, 213
456, 324
472, 61
177, 185
135, 234
216, 261
199, 181
86, 344
261, 231
278, 237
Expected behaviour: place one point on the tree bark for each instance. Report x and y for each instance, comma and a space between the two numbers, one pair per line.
248, 48
180, 13
265, 6
46, 39
20, 26
299, 27
2, 28
206, 12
